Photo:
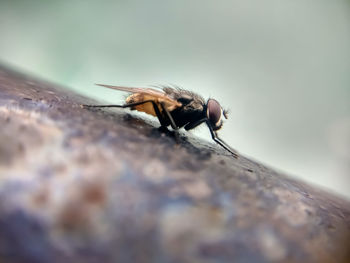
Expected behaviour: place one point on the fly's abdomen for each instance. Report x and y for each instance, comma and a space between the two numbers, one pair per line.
146, 107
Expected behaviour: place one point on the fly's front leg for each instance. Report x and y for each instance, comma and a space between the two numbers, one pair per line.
194, 124
221, 142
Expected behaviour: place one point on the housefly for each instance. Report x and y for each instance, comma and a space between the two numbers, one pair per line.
175, 107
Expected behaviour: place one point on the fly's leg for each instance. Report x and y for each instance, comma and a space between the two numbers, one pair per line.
194, 124
171, 120
172, 123
214, 136
221, 142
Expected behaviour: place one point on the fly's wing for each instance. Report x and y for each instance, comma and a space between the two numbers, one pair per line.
135, 90
144, 94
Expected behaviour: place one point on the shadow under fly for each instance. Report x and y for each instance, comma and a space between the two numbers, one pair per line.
175, 107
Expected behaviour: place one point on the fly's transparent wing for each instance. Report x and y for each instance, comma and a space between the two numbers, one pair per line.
157, 96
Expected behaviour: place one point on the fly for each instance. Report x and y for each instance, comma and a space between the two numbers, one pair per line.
175, 107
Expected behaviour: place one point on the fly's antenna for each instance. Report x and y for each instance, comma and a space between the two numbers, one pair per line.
226, 112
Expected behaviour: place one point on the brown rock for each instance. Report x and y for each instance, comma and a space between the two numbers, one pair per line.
79, 185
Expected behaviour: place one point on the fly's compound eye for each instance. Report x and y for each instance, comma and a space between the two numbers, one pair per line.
214, 114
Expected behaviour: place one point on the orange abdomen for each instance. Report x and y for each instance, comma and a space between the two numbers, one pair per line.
147, 107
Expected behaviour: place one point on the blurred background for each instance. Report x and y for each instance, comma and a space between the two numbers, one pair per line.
282, 67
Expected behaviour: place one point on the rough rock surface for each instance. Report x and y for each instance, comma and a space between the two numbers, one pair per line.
79, 185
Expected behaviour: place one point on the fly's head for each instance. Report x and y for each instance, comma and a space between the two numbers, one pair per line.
215, 114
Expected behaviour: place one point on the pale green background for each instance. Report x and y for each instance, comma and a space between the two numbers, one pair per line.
281, 66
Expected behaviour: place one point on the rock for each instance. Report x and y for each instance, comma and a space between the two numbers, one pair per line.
90, 185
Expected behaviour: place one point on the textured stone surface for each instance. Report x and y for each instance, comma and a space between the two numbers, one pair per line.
79, 185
